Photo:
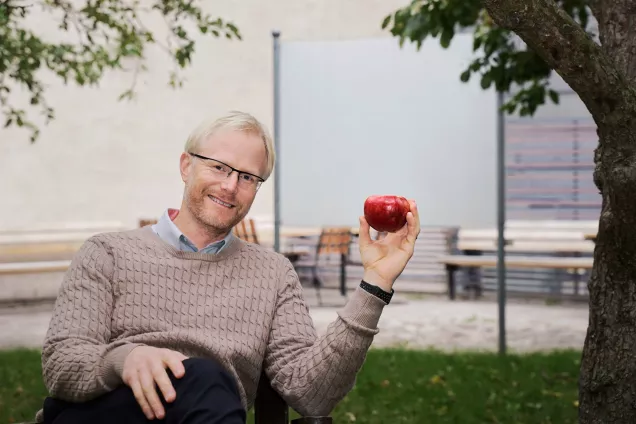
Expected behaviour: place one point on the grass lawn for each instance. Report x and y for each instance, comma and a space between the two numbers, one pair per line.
395, 386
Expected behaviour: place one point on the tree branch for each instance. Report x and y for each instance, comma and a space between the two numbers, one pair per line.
617, 32
565, 46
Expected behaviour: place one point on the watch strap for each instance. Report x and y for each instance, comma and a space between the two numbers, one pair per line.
377, 291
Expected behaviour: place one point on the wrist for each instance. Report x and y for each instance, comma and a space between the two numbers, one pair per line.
374, 279
377, 291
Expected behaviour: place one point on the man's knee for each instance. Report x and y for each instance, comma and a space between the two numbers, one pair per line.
204, 372
206, 391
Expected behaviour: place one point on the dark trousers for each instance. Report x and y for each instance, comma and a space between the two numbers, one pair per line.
205, 394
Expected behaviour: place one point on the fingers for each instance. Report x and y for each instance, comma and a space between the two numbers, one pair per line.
364, 238
135, 385
150, 392
175, 363
146, 374
163, 382
413, 223
415, 211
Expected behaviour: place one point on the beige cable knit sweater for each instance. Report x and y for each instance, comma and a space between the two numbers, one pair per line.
243, 306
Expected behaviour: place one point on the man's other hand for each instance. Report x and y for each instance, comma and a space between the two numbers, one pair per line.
144, 366
384, 260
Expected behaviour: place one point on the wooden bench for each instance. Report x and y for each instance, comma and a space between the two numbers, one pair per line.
423, 273
454, 262
56, 244
524, 240
64, 228
555, 236
558, 238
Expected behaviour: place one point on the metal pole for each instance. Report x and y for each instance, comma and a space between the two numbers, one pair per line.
501, 220
276, 45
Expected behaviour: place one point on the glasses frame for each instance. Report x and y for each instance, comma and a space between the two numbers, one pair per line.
238, 171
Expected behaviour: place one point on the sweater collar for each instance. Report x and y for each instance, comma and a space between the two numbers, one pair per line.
167, 230
229, 250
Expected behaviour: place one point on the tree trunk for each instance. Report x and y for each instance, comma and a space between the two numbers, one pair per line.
604, 78
607, 385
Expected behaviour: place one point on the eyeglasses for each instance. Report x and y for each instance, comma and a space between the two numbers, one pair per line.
220, 169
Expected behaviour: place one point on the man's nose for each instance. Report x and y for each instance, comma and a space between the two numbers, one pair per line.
231, 182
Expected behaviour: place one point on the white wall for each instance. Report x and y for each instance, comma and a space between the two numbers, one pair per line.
103, 160
363, 117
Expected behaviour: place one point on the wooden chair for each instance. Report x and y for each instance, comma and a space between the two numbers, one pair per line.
146, 221
270, 408
332, 241
246, 230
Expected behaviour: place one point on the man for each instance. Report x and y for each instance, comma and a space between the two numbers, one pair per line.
176, 321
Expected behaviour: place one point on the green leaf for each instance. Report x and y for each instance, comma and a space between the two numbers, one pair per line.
386, 21
486, 81
446, 38
465, 76
554, 96
477, 41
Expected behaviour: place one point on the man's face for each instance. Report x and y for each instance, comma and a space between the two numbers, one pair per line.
214, 199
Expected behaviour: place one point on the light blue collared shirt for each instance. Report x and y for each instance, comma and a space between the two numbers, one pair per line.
170, 233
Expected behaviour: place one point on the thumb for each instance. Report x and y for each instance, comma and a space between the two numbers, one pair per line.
364, 238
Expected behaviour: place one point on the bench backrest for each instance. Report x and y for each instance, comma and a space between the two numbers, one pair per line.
93, 227
522, 236
334, 240
146, 221
424, 268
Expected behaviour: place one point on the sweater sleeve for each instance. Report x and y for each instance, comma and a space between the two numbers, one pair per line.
314, 373
78, 360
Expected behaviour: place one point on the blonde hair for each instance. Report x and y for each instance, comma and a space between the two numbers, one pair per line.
239, 121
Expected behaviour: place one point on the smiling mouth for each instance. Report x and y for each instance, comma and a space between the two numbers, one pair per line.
221, 202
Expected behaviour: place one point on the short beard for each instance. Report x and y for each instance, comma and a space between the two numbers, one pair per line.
197, 209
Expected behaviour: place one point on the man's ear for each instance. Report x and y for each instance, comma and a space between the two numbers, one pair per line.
185, 165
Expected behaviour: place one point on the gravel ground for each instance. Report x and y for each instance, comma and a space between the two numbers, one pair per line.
420, 323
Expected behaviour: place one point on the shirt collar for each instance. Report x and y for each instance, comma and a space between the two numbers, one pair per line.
169, 232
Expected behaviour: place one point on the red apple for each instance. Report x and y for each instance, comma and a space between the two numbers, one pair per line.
386, 213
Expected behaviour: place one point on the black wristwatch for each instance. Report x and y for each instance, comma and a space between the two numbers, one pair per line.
377, 291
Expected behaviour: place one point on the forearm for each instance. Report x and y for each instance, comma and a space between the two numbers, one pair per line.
315, 376
77, 370
79, 361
